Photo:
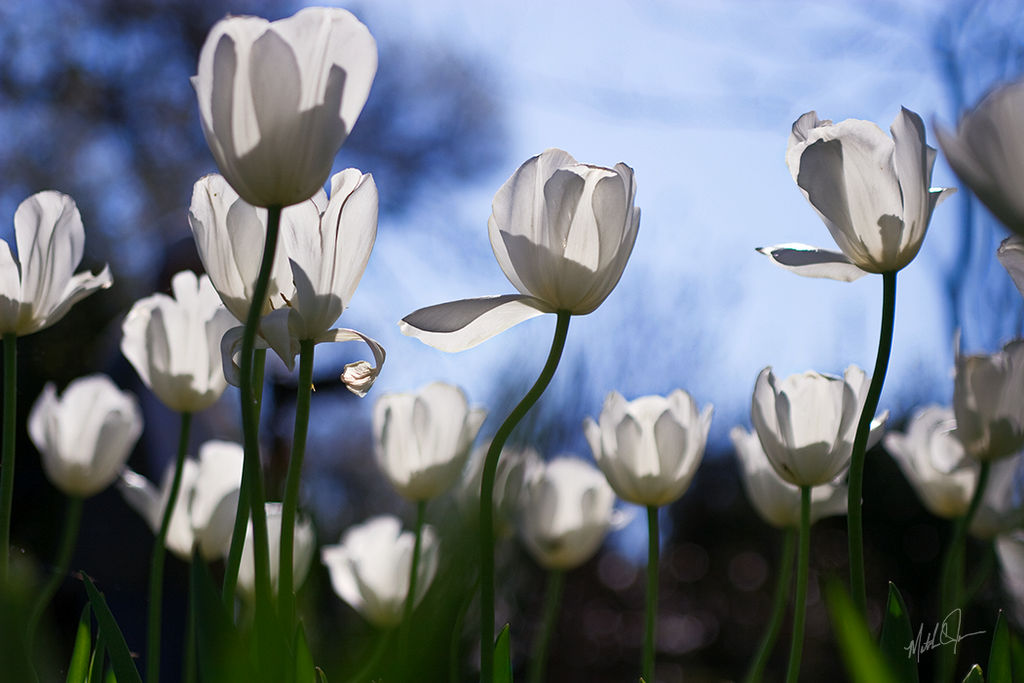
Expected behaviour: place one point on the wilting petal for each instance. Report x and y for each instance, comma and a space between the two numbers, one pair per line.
358, 377
809, 261
460, 325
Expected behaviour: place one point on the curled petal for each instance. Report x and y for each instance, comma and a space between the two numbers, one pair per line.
358, 377
460, 325
231, 353
809, 261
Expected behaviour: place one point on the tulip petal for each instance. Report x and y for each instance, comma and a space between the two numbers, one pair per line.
460, 325
809, 261
358, 377
1011, 255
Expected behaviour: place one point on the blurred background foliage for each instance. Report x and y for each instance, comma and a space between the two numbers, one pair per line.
95, 101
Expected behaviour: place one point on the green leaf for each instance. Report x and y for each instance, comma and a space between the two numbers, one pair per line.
117, 648
1017, 654
305, 672
864, 661
999, 655
321, 676
896, 633
220, 651
110, 677
99, 653
503, 657
78, 668
974, 675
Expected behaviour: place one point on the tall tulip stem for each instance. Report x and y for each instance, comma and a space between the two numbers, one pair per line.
253, 476
234, 559
651, 621
782, 583
68, 538
800, 604
952, 578
7, 457
156, 567
552, 606
860, 444
410, 596
487, 496
286, 594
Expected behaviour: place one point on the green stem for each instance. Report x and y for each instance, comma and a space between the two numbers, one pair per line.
652, 593
454, 665
487, 496
410, 596
860, 445
156, 567
800, 605
250, 422
952, 578
286, 594
242, 510
69, 536
552, 605
7, 457
782, 583
371, 663
981, 574
188, 672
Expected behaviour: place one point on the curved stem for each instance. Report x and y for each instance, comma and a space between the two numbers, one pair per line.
286, 593
782, 583
552, 605
68, 538
250, 420
7, 456
234, 559
487, 496
156, 567
860, 444
952, 578
652, 593
410, 596
800, 605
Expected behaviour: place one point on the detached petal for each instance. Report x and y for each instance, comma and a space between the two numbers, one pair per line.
460, 325
809, 261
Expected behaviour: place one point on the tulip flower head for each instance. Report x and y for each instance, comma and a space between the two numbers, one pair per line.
277, 99
987, 154
562, 233
806, 423
649, 448
516, 468
934, 462
422, 440
370, 568
1001, 510
305, 544
327, 244
873, 193
39, 288
988, 400
204, 512
174, 343
776, 500
86, 435
566, 511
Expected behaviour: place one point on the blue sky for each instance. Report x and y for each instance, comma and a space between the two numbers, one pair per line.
698, 98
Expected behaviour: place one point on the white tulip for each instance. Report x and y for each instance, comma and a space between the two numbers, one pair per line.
422, 440
174, 344
987, 152
807, 422
566, 511
1002, 508
302, 558
988, 400
776, 500
39, 287
649, 448
277, 99
934, 462
516, 467
327, 244
873, 193
370, 568
562, 233
204, 512
86, 435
